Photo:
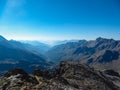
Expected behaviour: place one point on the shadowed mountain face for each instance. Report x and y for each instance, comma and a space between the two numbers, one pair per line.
10, 50
15, 54
101, 53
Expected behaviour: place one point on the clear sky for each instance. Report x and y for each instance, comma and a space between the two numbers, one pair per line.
59, 19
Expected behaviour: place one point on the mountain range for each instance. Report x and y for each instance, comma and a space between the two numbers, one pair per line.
101, 53
37, 46
71, 65
16, 54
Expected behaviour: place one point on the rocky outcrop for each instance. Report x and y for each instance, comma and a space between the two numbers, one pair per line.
41, 73
68, 76
112, 73
15, 72
81, 77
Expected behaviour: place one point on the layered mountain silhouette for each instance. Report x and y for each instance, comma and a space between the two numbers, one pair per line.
11, 50
37, 46
100, 53
16, 54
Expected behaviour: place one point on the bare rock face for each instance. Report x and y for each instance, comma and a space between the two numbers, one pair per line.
15, 72
21, 74
68, 76
16, 79
75, 76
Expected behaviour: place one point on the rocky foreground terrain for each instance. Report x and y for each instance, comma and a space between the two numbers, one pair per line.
68, 76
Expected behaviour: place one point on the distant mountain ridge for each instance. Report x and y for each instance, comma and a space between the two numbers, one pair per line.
12, 50
101, 53
16, 54
37, 45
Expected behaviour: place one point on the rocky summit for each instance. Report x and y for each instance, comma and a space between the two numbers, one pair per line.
68, 76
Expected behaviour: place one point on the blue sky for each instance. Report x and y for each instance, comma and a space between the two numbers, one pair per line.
59, 19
